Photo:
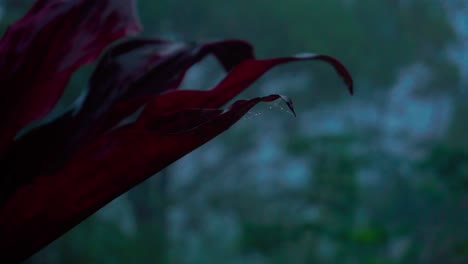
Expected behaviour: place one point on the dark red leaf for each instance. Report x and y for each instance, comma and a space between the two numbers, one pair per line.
133, 71
127, 77
238, 79
42, 50
138, 69
38, 213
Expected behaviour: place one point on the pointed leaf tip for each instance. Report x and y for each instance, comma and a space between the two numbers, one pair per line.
289, 103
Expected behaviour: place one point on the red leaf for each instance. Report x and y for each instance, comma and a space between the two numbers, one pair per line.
38, 213
135, 71
128, 76
238, 79
42, 50
84, 169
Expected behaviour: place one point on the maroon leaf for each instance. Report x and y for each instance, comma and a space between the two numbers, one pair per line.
138, 69
133, 71
238, 79
60, 173
102, 171
41, 51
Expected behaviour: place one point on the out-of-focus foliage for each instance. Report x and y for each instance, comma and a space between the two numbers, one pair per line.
348, 181
374, 37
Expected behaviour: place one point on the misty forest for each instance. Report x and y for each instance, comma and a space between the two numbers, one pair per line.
380, 177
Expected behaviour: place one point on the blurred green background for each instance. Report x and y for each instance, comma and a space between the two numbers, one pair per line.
380, 177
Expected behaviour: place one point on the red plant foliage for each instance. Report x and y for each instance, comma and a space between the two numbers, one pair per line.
59, 173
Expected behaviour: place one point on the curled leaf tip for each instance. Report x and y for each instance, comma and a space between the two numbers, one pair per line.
339, 67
